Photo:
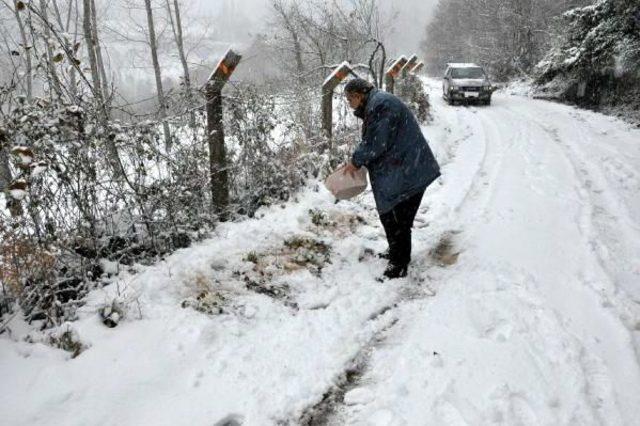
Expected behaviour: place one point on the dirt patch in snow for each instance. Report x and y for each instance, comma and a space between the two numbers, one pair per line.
204, 294
324, 413
338, 224
296, 254
445, 252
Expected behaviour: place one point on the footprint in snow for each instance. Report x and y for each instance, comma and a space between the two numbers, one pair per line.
231, 420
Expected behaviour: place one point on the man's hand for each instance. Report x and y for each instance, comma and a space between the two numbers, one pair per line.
350, 169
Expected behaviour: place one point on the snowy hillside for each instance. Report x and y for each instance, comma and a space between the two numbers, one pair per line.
522, 305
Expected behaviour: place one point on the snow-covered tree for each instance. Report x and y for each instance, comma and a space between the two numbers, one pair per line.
508, 37
596, 59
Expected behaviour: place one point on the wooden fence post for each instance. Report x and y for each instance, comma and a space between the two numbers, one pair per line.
419, 66
392, 73
411, 63
329, 85
215, 132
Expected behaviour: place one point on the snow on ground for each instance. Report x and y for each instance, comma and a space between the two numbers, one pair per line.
537, 321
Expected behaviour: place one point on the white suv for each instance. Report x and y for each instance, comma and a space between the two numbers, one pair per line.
466, 83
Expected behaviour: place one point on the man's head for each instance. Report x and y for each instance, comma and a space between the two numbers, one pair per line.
357, 91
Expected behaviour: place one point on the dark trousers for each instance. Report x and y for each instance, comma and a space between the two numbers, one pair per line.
397, 225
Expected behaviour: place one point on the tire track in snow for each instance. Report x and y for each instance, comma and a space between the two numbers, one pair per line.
545, 330
492, 119
604, 373
326, 412
601, 225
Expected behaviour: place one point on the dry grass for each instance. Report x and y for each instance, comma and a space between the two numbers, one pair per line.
67, 341
205, 295
296, 254
338, 224
22, 261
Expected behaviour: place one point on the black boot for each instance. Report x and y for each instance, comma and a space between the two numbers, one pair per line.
395, 271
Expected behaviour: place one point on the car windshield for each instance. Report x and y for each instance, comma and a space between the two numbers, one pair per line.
467, 73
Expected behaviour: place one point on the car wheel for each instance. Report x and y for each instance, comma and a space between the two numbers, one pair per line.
487, 102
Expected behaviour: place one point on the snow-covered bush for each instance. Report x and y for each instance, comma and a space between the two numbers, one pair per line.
73, 209
67, 340
64, 337
112, 313
70, 205
507, 37
412, 91
595, 60
271, 157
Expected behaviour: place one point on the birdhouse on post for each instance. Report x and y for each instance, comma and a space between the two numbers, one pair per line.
393, 72
215, 132
332, 81
411, 63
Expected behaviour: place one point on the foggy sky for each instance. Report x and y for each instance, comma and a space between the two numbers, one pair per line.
413, 16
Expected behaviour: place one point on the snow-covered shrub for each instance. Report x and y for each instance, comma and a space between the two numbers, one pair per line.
412, 91
71, 204
270, 157
88, 191
507, 37
68, 340
26, 275
112, 313
595, 60
64, 337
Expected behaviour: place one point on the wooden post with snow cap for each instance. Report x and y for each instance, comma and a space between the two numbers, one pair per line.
332, 81
215, 128
393, 72
409, 66
419, 66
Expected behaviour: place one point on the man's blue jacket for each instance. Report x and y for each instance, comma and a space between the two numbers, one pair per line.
394, 150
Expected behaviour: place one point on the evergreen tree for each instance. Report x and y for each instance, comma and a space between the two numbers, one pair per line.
596, 58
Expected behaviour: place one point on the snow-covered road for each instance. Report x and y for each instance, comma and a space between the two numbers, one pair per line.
539, 322
535, 321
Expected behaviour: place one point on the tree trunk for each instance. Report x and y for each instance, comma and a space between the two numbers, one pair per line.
65, 26
73, 71
27, 54
91, 52
5, 171
114, 156
53, 74
14, 206
98, 53
217, 153
156, 68
177, 32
